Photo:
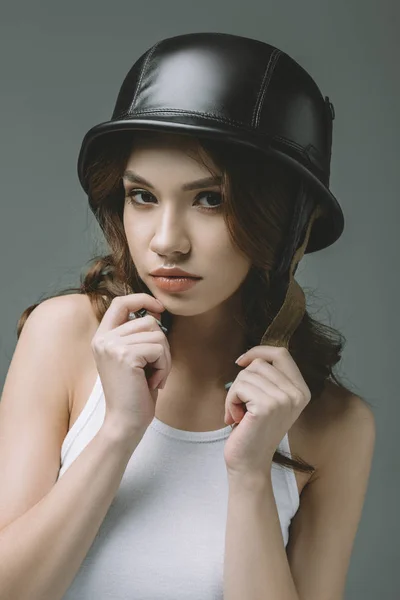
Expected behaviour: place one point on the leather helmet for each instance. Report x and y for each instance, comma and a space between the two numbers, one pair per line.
245, 91
233, 88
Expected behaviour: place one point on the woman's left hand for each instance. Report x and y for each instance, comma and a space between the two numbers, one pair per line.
265, 399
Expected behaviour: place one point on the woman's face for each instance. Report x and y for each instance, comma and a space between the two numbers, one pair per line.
165, 223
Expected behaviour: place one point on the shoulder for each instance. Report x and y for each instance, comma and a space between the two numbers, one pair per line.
72, 321
337, 407
70, 314
69, 304
74, 310
351, 419
323, 530
335, 419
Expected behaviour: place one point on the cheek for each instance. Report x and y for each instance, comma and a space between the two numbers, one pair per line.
133, 240
128, 224
231, 268
132, 227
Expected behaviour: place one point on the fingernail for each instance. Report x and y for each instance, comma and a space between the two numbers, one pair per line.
238, 359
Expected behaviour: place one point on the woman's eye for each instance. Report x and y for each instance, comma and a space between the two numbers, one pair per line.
213, 196
134, 193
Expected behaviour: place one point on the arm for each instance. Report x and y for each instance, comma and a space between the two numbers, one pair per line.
42, 550
47, 526
256, 566
322, 533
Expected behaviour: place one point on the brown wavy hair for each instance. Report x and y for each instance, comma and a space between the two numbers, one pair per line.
258, 196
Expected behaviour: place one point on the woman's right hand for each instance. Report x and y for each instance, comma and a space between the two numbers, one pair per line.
122, 349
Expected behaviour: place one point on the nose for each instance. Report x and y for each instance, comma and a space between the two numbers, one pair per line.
172, 233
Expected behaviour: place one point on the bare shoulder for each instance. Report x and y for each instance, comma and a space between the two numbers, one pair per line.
333, 419
34, 404
79, 316
76, 308
338, 406
347, 415
77, 313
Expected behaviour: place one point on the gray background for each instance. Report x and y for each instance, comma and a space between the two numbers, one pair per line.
61, 68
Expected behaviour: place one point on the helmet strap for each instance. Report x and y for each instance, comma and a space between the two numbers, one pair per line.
293, 308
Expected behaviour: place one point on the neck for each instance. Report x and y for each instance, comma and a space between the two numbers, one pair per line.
204, 349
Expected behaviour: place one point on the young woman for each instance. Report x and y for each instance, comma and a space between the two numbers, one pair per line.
137, 458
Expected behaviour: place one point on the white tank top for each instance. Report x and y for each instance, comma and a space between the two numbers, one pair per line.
163, 536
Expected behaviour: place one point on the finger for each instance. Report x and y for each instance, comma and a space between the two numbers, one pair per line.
118, 311
263, 372
243, 395
280, 358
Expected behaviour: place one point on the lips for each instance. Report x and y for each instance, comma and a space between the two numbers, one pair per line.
175, 272
175, 284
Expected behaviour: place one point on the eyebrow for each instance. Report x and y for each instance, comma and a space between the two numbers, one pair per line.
129, 175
